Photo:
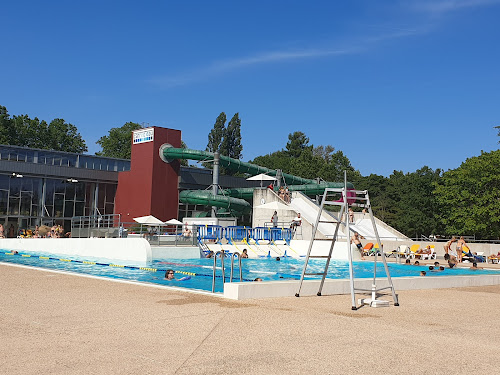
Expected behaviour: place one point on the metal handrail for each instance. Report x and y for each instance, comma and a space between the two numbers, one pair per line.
232, 266
222, 254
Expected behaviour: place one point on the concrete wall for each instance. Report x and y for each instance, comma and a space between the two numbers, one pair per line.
263, 215
175, 252
240, 291
133, 250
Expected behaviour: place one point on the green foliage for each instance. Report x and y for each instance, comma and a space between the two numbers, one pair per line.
118, 142
469, 197
184, 162
377, 186
231, 144
415, 206
297, 143
24, 131
225, 140
63, 136
217, 133
307, 161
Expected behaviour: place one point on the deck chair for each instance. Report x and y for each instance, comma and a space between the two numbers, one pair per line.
393, 253
493, 258
402, 251
376, 249
432, 255
368, 248
413, 251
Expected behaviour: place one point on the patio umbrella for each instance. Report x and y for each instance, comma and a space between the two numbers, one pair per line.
173, 222
261, 177
148, 220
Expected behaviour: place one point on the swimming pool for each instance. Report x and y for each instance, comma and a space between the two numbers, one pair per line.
200, 270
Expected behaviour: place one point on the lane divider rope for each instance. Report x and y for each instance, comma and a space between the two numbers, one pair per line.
113, 265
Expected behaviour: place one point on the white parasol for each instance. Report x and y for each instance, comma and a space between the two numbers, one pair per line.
261, 177
173, 222
148, 220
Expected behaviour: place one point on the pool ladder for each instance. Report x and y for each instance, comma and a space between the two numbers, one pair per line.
221, 253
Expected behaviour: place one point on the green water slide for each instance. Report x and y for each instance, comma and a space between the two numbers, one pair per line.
234, 199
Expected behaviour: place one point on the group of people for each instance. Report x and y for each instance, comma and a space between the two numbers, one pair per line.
436, 267
461, 250
56, 231
296, 222
284, 194
10, 234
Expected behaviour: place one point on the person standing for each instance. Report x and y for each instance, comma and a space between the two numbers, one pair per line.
1, 231
274, 219
447, 247
461, 248
12, 231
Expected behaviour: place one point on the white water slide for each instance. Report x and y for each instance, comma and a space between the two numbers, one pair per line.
309, 212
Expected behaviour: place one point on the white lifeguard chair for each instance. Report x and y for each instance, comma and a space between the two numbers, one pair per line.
349, 198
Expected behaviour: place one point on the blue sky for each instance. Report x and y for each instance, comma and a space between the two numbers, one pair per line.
395, 85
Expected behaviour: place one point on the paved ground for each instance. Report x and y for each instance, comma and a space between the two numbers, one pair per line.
63, 324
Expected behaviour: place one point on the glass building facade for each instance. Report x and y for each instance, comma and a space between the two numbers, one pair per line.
50, 187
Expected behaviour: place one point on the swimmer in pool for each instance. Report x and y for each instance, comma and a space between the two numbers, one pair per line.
170, 276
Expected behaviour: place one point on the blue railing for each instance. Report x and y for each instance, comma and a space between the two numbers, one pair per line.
240, 233
210, 232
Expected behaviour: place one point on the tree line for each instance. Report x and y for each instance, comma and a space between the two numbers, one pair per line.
461, 201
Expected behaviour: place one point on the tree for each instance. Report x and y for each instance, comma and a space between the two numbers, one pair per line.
118, 142
382, 204
26, 132
216, 134
6, 129
297, 143
469, 197
414, 205
304, 160
498, 127
184, 162
231, 143
64, 136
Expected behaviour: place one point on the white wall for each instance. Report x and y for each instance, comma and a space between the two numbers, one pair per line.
134, 250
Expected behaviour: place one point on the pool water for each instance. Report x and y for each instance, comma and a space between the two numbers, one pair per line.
200, 270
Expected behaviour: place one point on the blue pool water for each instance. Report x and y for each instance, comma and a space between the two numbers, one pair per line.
200, 270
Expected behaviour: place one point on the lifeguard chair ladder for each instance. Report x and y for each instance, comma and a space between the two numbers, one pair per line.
356, 198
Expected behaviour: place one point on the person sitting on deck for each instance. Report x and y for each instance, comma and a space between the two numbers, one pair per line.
296, 222
187, 232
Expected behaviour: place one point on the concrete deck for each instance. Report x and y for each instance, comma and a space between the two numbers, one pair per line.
53, 323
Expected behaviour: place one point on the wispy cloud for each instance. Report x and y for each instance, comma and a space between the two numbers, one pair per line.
438, 8
226, 66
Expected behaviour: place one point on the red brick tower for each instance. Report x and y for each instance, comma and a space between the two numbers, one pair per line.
151, 185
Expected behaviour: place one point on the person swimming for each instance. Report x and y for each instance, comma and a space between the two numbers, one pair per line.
170, 276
